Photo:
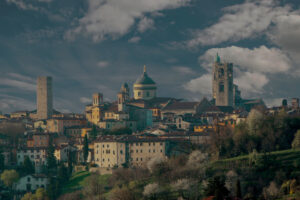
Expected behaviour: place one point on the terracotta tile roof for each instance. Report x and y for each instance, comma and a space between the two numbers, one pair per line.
181, 106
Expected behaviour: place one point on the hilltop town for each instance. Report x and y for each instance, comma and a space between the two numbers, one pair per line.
141, 131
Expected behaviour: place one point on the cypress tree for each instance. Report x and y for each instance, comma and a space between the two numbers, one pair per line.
28, 167
51, 160
85, 148
238, 189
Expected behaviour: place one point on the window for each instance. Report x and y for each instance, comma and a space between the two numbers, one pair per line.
137, 151
161, 144
147, 94
137, 159
161, 150
121, 151
153, 150
141, 159
141, 151
28, 179
221, 72
139, 94
221, 87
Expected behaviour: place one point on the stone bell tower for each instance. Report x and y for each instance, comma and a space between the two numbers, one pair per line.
223, 83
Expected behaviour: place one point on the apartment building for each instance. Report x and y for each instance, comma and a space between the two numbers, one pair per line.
111, 151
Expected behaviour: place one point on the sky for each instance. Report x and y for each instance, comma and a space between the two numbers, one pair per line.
90, 46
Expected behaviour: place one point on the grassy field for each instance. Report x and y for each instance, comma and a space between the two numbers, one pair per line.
76, 182
284, 157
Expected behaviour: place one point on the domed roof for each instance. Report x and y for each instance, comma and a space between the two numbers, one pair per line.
144, 79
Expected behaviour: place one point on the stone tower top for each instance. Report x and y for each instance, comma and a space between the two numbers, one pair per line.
218, 59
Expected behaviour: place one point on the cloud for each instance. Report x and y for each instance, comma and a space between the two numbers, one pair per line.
134, 39
102, 64
183, 70
114, 18
239, 22
18, 81
11, 103
201, 85
251, 83
253, 68
22, 5
261, 59
286, 35
145, 24
270, 102
85, 100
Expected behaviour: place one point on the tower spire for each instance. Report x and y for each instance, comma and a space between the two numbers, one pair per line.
218, 59
145, 70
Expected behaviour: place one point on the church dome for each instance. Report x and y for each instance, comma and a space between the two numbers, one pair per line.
144, 79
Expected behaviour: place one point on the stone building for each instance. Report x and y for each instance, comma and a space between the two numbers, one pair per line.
295, 103
123, 97
44, 97
112, 151
109, 153
32, 182
144, 87
223, 83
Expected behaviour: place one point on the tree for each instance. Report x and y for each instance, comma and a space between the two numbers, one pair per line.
93, 187
9, 177
28, 196
253, 120
28, 166
71, 159
197, 159
63, 175
238, 189
85, 148
2, 159
271, 192
41, 194
152, 190
93, 133
216, 187
53, 189
121, 194
296, 141
51, 159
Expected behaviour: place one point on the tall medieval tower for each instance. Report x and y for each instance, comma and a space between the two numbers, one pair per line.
223, 83
123, 96
44, 97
